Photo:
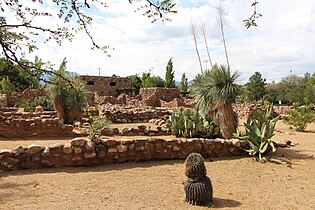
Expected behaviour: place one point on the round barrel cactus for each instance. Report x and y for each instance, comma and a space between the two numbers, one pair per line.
198, 187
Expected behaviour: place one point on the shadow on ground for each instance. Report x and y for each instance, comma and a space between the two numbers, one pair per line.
225, 203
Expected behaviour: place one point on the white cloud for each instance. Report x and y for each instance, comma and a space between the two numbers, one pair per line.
283, 40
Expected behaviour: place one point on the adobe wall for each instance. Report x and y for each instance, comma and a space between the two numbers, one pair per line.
22, 125
28, 94
152, 96
106, 86
84, 152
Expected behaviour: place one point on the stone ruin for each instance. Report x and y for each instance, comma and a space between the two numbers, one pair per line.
84, 152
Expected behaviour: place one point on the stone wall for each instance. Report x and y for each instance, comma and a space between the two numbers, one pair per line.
83, 152
247, 109
106, 86
178, 102
135, 115
22, 125
152, 96
27, 95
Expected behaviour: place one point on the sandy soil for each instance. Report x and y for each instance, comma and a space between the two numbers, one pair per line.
238, 182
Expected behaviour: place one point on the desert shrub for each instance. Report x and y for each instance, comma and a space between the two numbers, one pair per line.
259, 131
189, 123
42, 101
299, 117
97, 125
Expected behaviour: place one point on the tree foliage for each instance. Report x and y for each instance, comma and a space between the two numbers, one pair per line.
135, 83
151, 81
183, 83
255, 88
169, 75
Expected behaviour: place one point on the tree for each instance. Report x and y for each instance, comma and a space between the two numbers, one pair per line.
68, 97
20, 80
17, 36
291, 89
215, 91
255, 88
136, 83
183, 83
151, 81
309, 92
6, 85
169, 75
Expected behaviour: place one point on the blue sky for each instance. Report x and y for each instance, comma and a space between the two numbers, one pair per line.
283, 41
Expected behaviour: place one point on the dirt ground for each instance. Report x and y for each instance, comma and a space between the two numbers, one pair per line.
239, 182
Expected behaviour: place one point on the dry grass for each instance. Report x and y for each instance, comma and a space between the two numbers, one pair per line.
239, 182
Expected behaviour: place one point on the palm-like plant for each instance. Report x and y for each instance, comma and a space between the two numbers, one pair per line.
215, 91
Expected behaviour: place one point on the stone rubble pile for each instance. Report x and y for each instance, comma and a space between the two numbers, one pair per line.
84, 152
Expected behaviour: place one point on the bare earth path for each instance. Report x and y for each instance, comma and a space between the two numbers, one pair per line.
239, 182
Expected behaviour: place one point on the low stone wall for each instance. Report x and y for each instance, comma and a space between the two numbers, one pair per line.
27, 95
42, 124
178, 102
152, 96
84, 152
135, 116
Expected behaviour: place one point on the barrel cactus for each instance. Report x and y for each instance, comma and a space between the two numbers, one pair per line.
198, 186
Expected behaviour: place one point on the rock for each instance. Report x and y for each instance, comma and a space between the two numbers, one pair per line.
125, 131
122, 148
112, 151
89, 146
67, 149
47, 163
176, 148
18, 150
46, 152
89, 155
148, 146
33, 148
5, 152
142, 127
109, 142
77, 158
77, 150
236, 143
106, 131
79, 142
39, 109
115, 131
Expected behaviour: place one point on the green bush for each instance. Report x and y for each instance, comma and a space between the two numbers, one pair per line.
299, 117
97, 125
189, 123
259, 130
42, 101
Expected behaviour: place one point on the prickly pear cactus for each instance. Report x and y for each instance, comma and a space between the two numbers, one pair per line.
198, 186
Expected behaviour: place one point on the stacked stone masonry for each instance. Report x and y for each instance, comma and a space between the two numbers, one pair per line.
153, 96
41, 124
84, 152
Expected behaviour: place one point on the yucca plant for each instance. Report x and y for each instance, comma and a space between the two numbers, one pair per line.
189, 123
259, 131
198, 187
214, 92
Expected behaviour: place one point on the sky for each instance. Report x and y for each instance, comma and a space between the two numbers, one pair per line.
283, 42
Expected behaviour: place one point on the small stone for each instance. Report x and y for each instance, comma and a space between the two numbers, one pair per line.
77, 150
39, 109
76, 158
112, 151
236, 143
89, 155
122, 148
47, 163
131, 146
148, 146
46, 152
89, 146
6, 152
142, 127
67, 149
109, 142
79, 141
115, 131
33, 148
125, 131
176, 148
18, 150
106, 131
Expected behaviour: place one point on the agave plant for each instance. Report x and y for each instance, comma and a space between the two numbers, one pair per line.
198, 187
259, 131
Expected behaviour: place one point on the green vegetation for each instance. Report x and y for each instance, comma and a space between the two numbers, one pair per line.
299, 117
42, 101
215, 91
195, 166
169, 75
68, 95
97, 125
255, 88
151, 81
136, 84
183, 83
189, 123
259, 130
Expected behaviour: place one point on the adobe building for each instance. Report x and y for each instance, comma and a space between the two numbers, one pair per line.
107, 86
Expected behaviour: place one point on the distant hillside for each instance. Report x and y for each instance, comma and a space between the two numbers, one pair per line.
178, 83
